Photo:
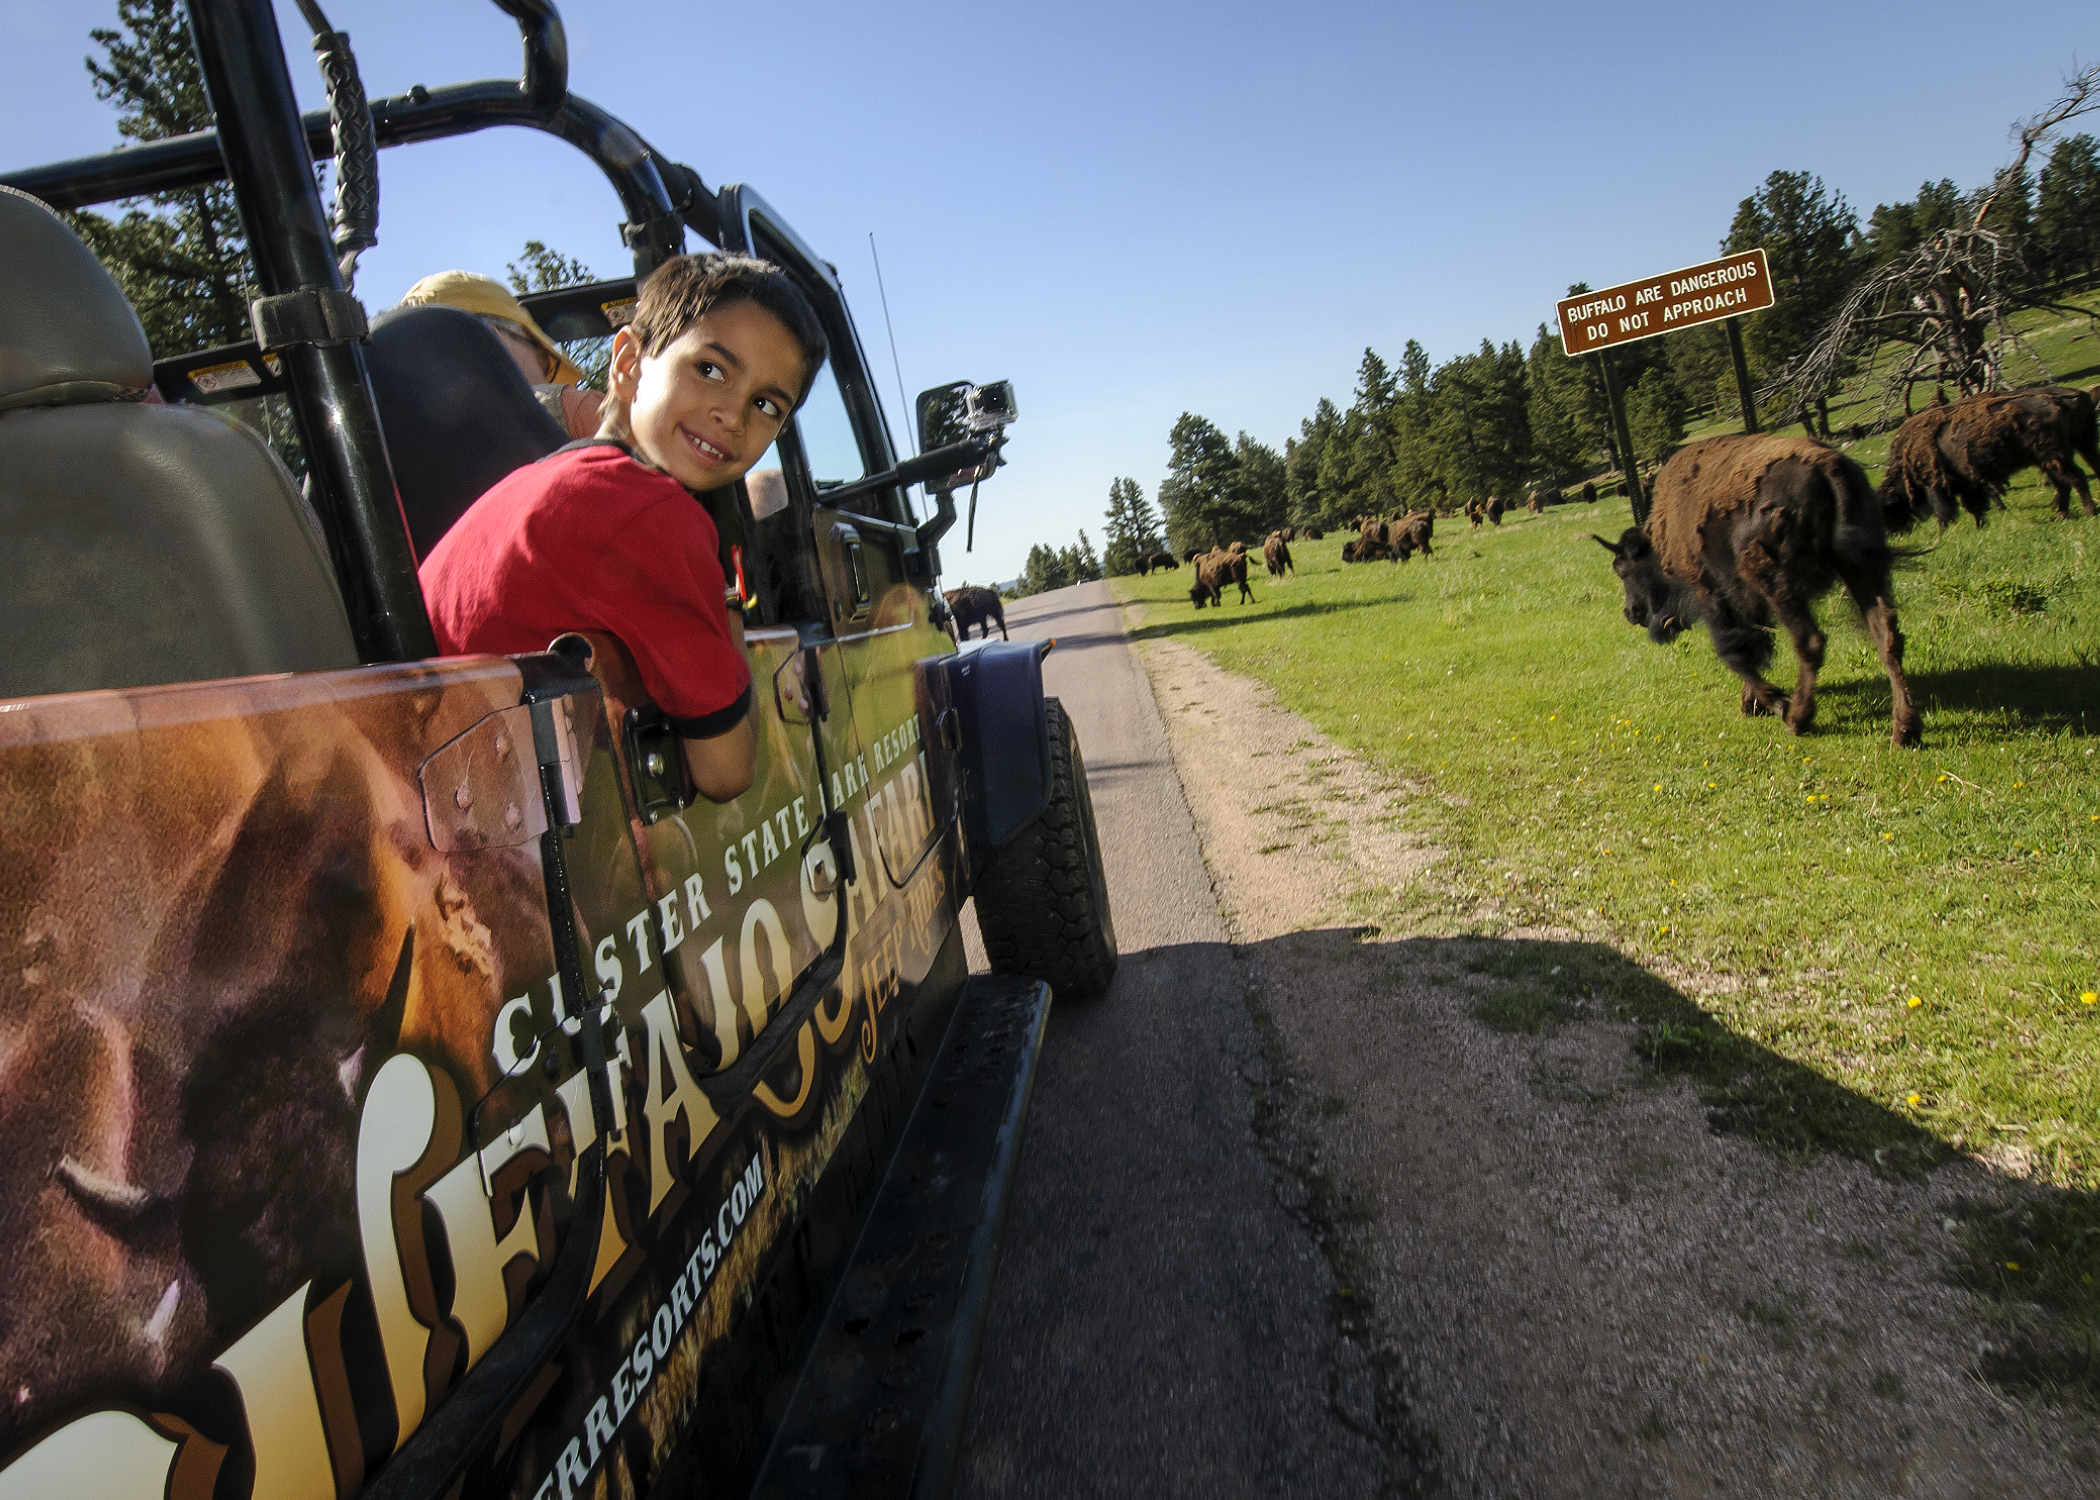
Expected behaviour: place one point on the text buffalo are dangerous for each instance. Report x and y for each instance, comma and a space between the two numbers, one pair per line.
1722, 288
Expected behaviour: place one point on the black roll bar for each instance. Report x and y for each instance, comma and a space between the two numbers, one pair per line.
306, 316
657, 194
265, 149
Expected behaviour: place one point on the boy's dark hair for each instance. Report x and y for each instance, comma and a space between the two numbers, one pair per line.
690, 286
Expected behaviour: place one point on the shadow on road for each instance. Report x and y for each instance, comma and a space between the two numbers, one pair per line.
1024, 616
1232, 614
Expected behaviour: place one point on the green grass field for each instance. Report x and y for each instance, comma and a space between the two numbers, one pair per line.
1893, 954
1917, 926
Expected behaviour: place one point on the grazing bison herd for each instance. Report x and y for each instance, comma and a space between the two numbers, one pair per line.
1745, 533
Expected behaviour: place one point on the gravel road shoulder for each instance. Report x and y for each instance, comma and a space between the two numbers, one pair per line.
1555, 1279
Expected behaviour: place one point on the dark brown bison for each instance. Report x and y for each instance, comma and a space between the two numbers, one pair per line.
1314, 533
1164, 561
1371, 539
1193, 553
1411, 536
1948, 459
1276, 554
1494, 508
1589, 493
1748, 530
1216, 569
976, 608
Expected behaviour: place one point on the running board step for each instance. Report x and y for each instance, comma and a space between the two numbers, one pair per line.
879, 1409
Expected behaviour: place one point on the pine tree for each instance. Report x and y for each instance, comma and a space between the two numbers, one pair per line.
1198, 493
1259, 489
1086, 564
1144, 520
539, 269
1132, 531
1808, 233
1564, 434
1306, 501
2067, 210
1655, 415
183, 261
1122, 553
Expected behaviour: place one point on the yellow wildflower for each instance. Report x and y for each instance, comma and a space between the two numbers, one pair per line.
2089, 998
1915, 1002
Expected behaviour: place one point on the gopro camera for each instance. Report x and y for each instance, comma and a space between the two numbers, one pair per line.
988, 408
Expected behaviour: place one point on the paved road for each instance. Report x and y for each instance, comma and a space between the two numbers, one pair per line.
1161, 1324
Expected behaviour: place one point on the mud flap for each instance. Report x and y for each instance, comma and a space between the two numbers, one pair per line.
879, 1408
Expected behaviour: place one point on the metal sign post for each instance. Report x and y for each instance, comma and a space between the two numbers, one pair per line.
1623, 437
1742, 373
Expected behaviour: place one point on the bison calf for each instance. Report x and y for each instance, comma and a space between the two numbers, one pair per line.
1748, 530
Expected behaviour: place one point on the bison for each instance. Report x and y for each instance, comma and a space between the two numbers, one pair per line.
1214, 570
1747, 530
1947, 459
1276, 554
975, 607
1475, 512
1411, 536
1494, 509
1540, 498
1166, 560
1589, 493
1371, 539
1314, 533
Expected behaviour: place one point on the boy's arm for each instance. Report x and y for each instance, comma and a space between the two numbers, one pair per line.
723, 765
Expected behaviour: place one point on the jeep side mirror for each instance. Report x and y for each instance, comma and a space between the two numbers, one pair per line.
960, 412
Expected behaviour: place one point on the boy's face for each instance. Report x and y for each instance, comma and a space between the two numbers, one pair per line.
706, 406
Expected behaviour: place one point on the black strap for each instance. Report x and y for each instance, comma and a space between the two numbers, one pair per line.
720, 722
310, 315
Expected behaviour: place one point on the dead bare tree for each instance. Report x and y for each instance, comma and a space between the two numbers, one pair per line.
1948, 304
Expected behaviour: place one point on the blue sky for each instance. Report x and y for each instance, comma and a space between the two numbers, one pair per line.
1136, 210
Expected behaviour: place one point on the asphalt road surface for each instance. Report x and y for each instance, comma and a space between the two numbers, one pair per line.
1162, 1323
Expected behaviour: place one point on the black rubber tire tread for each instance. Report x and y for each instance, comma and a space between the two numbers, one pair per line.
1042, 901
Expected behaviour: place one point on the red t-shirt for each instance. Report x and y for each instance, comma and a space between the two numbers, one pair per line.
589, 539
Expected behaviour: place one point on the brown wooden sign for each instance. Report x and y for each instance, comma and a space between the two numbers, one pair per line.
1663, 304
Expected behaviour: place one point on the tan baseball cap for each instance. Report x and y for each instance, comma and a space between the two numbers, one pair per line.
488, 298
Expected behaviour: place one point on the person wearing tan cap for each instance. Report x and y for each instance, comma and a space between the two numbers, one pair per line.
553, 376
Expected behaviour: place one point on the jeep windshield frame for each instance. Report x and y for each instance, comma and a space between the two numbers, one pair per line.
264, 147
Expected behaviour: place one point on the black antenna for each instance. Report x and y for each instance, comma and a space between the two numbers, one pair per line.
909, 419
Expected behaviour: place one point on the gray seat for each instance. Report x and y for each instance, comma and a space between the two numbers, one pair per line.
141, 544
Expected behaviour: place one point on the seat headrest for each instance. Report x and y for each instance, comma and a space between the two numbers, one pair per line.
456, 412
67, 334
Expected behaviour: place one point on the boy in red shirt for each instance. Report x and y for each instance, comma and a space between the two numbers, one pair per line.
607, 534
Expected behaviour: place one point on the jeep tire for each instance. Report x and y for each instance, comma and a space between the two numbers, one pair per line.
1042, 901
